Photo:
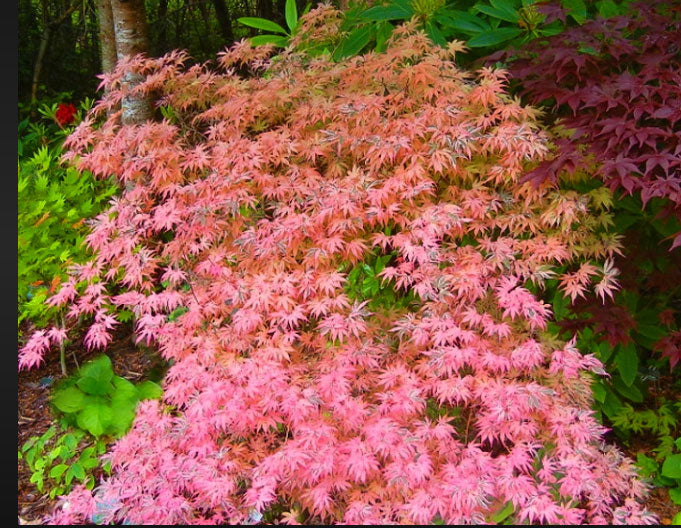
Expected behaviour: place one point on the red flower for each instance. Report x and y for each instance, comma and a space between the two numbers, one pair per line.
65, 113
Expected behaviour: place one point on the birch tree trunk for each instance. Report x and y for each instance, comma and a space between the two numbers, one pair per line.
130, 30
107, 37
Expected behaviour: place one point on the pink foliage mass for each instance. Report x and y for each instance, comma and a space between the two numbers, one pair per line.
287, 398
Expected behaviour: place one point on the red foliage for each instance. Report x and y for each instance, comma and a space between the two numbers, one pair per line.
65, 113
286, 393
616, 83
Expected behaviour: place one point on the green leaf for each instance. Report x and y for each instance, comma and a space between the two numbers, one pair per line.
502, 514
355, 42
576, 9
124, 389
464, 22
671, 467
389, 12
291, 13
506, 13
94, 386
604, 351
435, 34
95, 418
69, 400
675, 496
99, 368
626, 360
493, 37
58, 470
630, 392
599, 391
612, 404
148, 390
277, 40
262, 23
383, 32
607, 8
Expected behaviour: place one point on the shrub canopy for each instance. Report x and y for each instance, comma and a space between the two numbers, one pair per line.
249, 207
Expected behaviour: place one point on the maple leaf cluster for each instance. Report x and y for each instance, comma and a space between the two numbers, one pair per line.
286, 394
616, 84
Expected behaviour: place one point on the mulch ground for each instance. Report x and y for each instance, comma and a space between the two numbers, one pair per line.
134, 363
35, 416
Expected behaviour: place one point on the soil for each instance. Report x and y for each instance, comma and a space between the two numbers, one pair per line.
136, 363
35, 416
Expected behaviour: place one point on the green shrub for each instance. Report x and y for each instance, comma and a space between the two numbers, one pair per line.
53, 203
99, 402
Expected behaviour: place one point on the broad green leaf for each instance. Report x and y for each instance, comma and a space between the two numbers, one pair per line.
69, 400
607, 8
95, 418
389, 12
124, 389
626, 360
355, 42
599, 391
383, 32
148, 390
276, 40
671, 467
122, 416
93, 386
506, 13
262, 23
464, 22
435, 34
493, 37
99, 368
612, 404
630, 392
291, 14
675, 496
576, 9
604, 351
502, 514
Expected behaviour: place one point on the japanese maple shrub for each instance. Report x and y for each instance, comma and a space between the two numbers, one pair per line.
615, 84
289, 400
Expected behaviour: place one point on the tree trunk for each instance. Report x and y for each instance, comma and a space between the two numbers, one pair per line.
225, 21
130, 29
107, 38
